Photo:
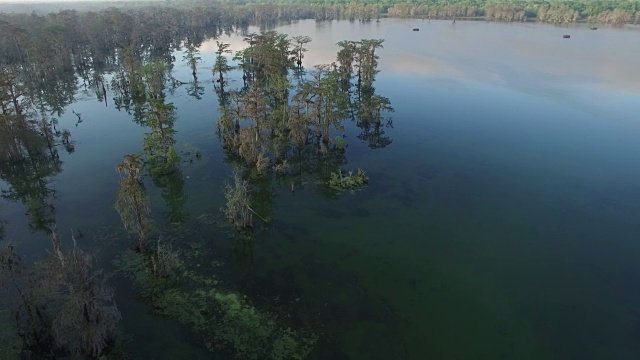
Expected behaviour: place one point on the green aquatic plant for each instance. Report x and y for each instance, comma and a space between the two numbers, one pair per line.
253, 333
349, 181
340, 142
291, 345
224, 319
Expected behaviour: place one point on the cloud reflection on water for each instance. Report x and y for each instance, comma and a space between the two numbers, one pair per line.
527, 57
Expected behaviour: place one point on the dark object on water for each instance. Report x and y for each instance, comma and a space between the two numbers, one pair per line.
416, 29
594, 28
566, 36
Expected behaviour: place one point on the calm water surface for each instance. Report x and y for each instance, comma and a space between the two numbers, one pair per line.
502, 222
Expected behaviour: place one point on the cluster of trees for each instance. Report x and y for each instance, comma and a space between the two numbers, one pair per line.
284, 118
139, 87
63, 309
224, 319
53, 308
89, 42
283, 121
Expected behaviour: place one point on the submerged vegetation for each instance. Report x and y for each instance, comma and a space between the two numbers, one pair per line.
224, 320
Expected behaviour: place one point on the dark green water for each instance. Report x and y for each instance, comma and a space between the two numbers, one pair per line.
502, 222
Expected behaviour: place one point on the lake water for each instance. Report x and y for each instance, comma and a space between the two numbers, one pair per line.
501, 222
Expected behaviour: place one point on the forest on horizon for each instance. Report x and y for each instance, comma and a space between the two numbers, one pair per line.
258, 12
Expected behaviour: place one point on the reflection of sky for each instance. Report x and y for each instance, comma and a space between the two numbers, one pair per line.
525, 57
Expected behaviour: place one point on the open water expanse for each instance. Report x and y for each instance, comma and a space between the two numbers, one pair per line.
501, 219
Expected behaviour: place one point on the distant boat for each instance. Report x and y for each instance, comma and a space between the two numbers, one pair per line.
594, 28
416, 29
566, 36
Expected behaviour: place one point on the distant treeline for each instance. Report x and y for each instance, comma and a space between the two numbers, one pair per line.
560, 12
610, 12
59, 39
